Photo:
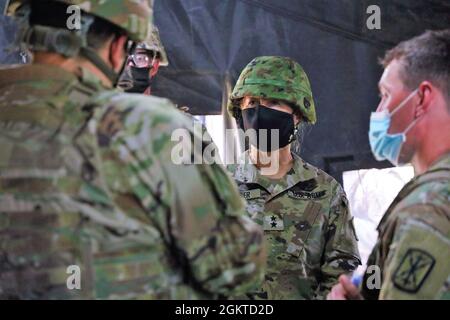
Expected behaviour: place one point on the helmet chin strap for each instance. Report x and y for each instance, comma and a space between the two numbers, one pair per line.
64, 42
94, 58
91, 55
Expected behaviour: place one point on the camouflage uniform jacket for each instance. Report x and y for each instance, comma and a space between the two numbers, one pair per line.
413, 247
87, 180
308, 229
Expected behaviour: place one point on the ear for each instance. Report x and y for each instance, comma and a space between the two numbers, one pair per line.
155, 68
426, 94
117, 53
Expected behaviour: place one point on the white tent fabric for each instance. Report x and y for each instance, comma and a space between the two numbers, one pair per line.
370, 192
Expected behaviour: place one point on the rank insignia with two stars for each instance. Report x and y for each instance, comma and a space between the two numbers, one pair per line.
273, 223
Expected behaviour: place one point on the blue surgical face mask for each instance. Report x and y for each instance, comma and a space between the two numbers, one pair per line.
387, 146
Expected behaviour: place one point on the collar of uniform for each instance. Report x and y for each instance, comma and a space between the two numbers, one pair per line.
89, 79
302, 171
441, 162
248, 173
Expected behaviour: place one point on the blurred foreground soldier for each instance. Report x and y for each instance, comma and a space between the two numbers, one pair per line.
91, 204
143, 64
412, 124
304, 211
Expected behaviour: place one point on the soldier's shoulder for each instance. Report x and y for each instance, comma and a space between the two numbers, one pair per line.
433, 185
9, 68
321, 177
328, 179
431, 199
426, 198
242, 169
433, 228
26, 74
141, 122
119, 99
137, 106
418, 267
432, 190
429, 203
39, 85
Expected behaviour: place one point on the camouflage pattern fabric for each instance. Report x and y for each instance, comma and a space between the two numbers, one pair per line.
153, 43
133, 16
86, 179
413, 247
308, 229
277, 78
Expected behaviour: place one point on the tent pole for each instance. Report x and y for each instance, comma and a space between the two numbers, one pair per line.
232, 147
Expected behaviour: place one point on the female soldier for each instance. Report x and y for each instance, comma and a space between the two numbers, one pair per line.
304, 211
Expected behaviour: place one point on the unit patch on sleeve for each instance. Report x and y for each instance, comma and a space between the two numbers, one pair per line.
413, 270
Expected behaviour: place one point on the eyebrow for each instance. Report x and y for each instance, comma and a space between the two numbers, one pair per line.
383, 86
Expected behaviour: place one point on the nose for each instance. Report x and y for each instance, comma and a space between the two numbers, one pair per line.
381, 107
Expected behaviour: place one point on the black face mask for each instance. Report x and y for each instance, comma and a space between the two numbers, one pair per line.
135, 80
265, 118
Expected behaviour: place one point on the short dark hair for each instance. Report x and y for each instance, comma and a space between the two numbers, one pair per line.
100, 31
425, 57
54, 14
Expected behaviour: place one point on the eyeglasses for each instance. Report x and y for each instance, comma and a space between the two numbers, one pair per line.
141, 60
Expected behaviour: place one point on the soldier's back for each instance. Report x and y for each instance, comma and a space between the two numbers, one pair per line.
87, 184
58, 215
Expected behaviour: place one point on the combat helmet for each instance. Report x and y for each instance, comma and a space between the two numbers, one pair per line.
277, 78
153, 43
131, 16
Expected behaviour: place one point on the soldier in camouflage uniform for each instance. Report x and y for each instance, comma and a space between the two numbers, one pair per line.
304, 212
87, 178
412, 124
143, 64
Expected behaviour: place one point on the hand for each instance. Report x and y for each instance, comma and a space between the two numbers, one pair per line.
344, 290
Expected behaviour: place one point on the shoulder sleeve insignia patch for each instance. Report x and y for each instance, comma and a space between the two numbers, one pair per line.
413, 270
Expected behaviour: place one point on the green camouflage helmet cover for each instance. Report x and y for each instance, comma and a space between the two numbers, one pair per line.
277, 78
133, 16
153, 43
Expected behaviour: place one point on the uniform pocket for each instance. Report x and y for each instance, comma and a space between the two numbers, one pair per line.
301, 228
